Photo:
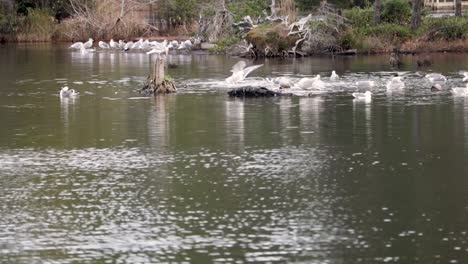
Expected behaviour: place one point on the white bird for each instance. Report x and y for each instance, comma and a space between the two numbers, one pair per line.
121, 44
144, 45
84, 50
88, 44
137, 44
363, 96
365, 84
113, 44
185, 45
175, 43
283, 81
240, 72
128, 45
103, 45
159, 51
310, 83
436, 77
460, 91
334, 76
76, 45
465, 78
395, 83
66, 92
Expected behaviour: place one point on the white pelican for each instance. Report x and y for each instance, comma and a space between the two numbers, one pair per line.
103, 45
334, 76
66, 92
363, 96
460, 91
395, 83
240, 72
88, 44
436, 77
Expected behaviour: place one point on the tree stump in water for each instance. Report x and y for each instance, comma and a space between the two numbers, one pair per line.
157, 83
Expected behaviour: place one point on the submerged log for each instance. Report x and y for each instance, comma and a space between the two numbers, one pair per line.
157, 82
347, 52
251, 91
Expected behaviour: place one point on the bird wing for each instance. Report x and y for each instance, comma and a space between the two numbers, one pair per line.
76, 45
250, 69
155, 50
239, 66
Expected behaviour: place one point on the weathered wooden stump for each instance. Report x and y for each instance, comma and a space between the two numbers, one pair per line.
158, 82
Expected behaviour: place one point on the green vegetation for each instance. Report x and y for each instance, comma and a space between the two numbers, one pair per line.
274, 38
450, 28
396, 12
253, 8
395, 29
223, 44
46, 20
168, 79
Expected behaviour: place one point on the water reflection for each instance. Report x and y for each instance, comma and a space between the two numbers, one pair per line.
235, 129
198, 177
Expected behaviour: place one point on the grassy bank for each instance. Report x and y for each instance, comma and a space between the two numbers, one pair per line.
434, 34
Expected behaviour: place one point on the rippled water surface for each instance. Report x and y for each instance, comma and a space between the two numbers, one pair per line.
197, 177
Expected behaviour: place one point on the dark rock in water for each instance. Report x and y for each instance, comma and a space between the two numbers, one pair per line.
424, 62
250, 91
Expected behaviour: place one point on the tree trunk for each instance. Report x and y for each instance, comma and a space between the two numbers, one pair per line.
416, 14
458, 8
377, 11
273, 8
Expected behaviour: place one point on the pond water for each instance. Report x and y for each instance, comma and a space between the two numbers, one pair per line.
197, 177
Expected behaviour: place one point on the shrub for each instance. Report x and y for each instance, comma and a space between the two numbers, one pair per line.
275, 37
253, 8
223, 44
100, 22
449, 28
392, 32
396, 11
38, 25
360, 17
324, 37
8, 21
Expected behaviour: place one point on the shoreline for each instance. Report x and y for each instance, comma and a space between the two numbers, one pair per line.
408, 48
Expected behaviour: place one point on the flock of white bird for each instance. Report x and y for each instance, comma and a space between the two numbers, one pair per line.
240, 72
152, 47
